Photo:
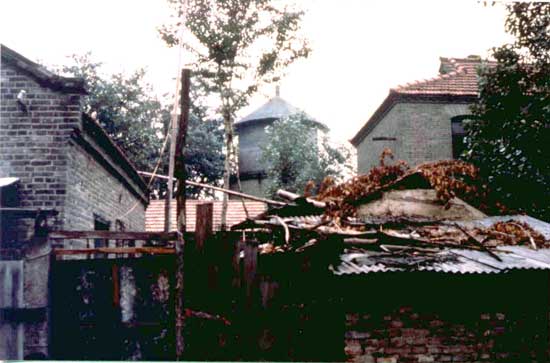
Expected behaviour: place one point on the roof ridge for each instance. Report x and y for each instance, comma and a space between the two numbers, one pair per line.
41, 73
459, 69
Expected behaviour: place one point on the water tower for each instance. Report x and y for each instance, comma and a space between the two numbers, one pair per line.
251, 135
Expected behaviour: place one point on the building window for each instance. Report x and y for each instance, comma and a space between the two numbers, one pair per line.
100, 224
458, 134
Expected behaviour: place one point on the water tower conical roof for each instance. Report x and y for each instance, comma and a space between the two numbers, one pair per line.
275, 108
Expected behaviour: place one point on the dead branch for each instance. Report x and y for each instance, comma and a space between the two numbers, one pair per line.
474, 240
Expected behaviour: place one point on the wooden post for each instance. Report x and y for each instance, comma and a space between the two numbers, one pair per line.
203, 227
116, 285
170, 184
179, 173
250, 269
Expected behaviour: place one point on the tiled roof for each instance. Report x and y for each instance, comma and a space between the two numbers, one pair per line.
457, 81
41, 74
458, 76
275, 108
154, 215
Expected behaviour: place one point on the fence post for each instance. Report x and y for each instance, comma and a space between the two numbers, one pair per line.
203, 224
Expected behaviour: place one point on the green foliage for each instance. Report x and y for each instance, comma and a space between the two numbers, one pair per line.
239, 44
295, 155
203, 154
123, 105
509, 139
137, 122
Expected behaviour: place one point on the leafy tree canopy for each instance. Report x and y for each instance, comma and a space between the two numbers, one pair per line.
237, 45
137, 122
509, 139
294, 155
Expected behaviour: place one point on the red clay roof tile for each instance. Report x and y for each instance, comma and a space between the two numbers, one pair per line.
154, 215
458, 77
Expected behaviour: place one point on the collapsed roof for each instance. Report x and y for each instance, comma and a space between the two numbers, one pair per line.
411, 220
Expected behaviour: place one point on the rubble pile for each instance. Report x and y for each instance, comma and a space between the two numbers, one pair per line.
449, 179
394, 210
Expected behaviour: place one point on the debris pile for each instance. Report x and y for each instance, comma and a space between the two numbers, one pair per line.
449, 179
428, 214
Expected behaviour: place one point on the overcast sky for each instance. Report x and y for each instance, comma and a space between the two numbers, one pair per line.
361, 48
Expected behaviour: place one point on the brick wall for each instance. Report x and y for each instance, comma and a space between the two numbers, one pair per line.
407, 336
33, 143
36, 146
422, 132
92, 190
56, 173
450, 319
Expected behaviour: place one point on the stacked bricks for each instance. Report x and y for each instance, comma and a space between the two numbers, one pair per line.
406, 336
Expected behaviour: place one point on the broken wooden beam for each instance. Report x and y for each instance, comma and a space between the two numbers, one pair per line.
223, 190
115, 250
474, 241
294, 197
112, 235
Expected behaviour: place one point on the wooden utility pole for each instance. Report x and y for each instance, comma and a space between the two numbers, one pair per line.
170, 192
179, 173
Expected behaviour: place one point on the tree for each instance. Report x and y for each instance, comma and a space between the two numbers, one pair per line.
124, 106
509, 137
237, 46
137, 122
204, 157
294, 156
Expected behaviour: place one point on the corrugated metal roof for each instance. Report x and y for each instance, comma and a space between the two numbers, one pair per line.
454, 261
451, 260
154, 215
538, 225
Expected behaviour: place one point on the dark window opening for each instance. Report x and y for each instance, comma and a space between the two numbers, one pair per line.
458, 134
383, 138
100, 224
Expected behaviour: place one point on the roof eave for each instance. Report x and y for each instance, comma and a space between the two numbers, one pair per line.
41, 74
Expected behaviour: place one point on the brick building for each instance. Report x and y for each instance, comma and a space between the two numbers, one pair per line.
422, 121
64, 171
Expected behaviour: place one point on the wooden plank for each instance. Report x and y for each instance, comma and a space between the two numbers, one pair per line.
115, 250
250, 267
236, 262
223, 190
116, 285
204, 222
144, 236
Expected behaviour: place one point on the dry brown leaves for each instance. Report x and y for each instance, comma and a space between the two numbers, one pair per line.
338, 197
449, 178
514, 233
509, 233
